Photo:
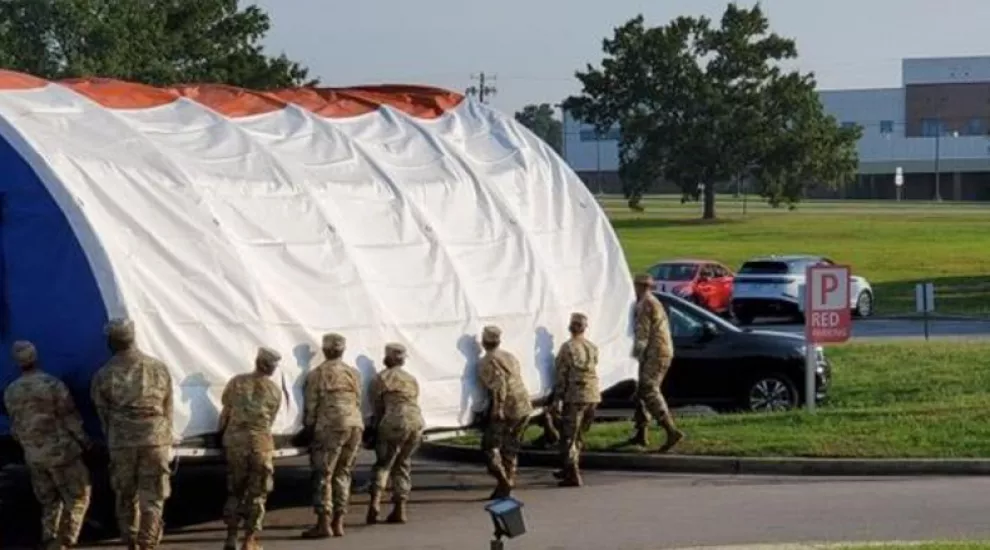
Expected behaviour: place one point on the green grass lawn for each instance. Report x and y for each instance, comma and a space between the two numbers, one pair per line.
892, 399
934, 545
894, 245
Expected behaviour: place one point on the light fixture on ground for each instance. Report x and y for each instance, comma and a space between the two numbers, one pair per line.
507, 517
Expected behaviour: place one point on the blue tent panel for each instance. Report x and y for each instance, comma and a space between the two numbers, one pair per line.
48, 293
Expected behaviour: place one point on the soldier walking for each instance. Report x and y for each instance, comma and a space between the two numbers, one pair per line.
576, 385
333, 418
655, 351
46, 423
133, 397
399, 423
509, 410
250, 402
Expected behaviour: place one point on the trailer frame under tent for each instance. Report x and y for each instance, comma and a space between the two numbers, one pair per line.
221, 219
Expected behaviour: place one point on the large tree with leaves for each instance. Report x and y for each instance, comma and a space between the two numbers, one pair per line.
158, 42
700, 104
541, 120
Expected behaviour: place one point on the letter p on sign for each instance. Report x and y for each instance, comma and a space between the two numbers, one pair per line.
828, 318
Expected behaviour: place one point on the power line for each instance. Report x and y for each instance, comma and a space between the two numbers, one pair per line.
482, 90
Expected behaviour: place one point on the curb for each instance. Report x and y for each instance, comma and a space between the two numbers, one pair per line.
729, 465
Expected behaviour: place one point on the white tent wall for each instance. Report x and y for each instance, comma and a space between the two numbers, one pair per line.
224, 234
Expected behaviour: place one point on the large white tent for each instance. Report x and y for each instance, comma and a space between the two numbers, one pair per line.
221, 219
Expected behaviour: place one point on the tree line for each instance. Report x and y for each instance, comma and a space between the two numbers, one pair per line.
697, 102
157, 42
700, 103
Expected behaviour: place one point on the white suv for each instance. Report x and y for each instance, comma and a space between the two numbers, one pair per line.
773, 286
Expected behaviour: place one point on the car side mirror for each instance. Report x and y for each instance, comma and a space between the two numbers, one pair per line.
709, 330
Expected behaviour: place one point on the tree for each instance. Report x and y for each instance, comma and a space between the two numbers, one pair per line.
540, 119
157, 42
700, 105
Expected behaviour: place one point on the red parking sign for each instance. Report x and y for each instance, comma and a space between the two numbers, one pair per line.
827, 316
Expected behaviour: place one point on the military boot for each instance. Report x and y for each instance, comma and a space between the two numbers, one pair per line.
231, 542
319, 531
398, 514
571, 478
337, 525
503, 485
373, 506
674, 436
251, 541
641, 437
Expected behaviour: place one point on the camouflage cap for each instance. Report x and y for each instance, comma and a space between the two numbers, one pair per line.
491, 333
121, 330
24, 352
395, 350
579, 319
268, 355
334, 341
643, 279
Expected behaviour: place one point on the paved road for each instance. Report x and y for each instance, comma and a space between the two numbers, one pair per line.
615, 510
902, 329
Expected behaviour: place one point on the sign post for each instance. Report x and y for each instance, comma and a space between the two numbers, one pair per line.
827, 318
899, 180
924, 301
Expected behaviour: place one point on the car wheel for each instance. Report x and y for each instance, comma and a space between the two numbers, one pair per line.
771, 393
864, 304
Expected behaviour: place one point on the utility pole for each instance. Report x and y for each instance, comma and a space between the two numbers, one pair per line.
482, 90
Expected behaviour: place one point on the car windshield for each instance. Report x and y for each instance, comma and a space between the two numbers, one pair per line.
764, 268
673, 272
681, 324
686, 318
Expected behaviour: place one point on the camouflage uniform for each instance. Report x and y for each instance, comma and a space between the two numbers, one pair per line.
250, 402
654, 349
333, 416
133, 396
576, 385
499, 373
399, 421
46, 423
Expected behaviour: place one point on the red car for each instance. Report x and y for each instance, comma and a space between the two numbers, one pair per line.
704, 282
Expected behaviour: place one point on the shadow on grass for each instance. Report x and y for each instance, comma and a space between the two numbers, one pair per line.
953, 295
648, 222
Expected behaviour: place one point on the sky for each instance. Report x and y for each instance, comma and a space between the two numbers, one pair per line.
533, 47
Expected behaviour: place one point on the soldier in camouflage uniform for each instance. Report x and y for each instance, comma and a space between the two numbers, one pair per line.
250, 402
333, 417
576, 386
510, 408
395, 398
655, 351
46, 423
133, 397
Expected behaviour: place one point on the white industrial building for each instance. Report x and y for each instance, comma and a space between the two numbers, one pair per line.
935, 126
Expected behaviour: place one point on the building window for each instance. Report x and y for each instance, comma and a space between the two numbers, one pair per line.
976, 127
886, 127
931, 127
848, 124
590, 134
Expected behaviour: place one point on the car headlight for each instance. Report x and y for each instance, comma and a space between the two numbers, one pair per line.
683, 291
819, 352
